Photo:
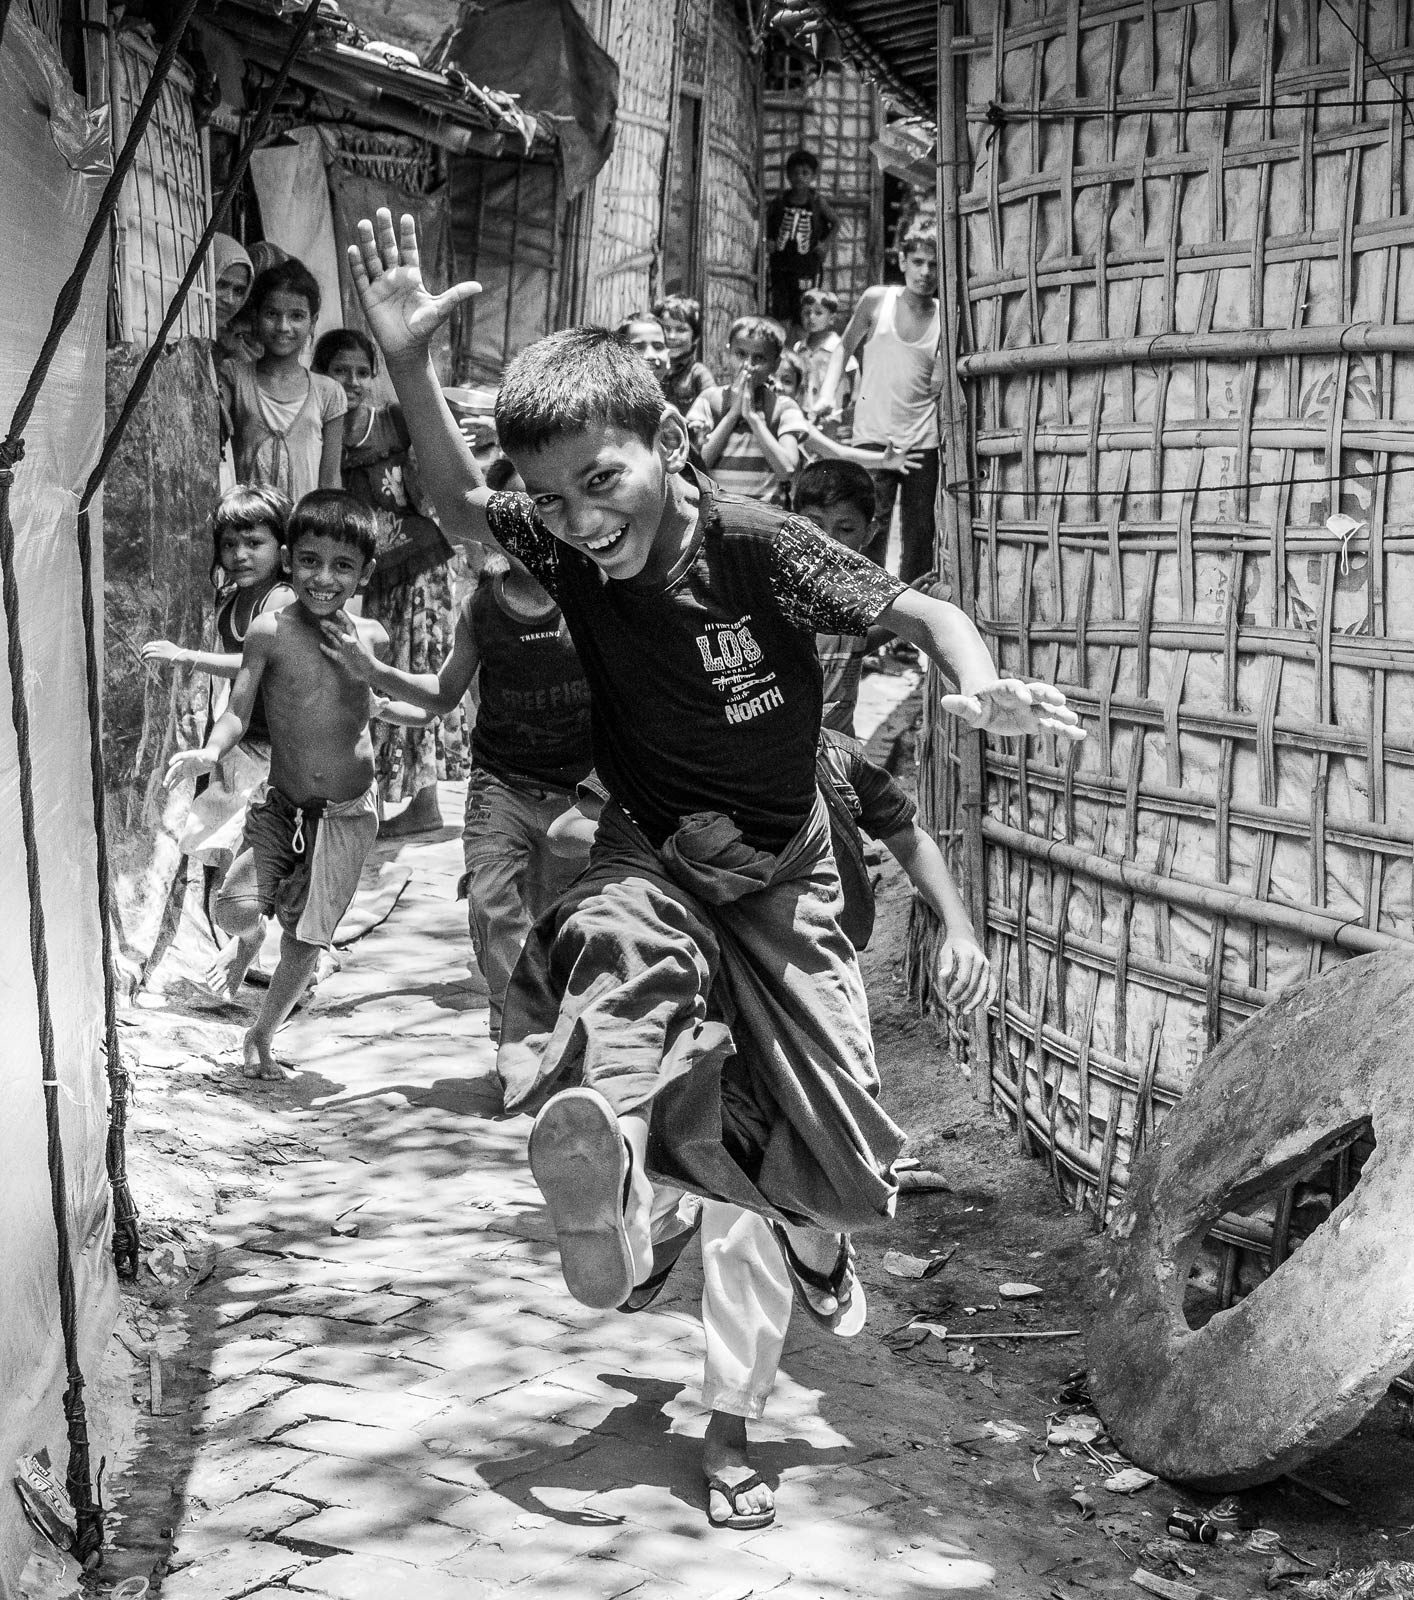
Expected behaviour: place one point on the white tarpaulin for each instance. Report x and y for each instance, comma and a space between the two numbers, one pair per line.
48, 204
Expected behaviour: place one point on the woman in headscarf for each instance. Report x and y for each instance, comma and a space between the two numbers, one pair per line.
234, 275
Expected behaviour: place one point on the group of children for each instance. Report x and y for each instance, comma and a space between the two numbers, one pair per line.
662, 845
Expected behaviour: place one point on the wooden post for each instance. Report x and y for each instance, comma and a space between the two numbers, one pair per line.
954, 512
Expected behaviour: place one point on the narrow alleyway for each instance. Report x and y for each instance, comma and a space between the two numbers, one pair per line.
383, 1390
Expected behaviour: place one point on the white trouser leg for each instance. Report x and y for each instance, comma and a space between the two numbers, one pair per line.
746, 1305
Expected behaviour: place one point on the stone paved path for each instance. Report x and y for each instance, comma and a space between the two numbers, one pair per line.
395, 1397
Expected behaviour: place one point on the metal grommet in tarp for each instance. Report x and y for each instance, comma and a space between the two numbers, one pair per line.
1305, 1356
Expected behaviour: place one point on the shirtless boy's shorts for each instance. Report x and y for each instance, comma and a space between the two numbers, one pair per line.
308, 859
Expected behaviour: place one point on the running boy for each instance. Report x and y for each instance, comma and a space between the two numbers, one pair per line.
311, 832
895, 328
747, 432
694, 618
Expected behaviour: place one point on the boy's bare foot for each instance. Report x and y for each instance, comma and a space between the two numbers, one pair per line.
259, 1058
422, 814
736, 1496
227, 972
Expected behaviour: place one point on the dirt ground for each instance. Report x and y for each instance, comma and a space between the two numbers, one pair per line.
957, 1426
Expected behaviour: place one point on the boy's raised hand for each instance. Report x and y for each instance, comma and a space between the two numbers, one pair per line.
188, 764
346, 647
402, 312
964, 974
1014, 709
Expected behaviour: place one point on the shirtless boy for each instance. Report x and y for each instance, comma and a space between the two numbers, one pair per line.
311, 832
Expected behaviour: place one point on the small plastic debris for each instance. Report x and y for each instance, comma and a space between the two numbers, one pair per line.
1264, 1541
1008, 1432
1076, 1389
1082, 1428
1284, 1567
50, 1575
130, 1589
45, 1502
531, 1519
344, 1230
1231, 1516
168, 1264
1130, 1480
1019, 1291
1082, 1502
1191, 1525
899, 1265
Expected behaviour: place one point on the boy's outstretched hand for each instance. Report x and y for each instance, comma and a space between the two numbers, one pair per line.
964, 974
402, 312
1014, 709
188, 764
344, 645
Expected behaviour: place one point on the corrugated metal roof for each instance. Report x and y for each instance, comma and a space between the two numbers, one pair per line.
897, 41
341, 61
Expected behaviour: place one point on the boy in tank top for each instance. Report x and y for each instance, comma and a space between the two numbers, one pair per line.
895, 329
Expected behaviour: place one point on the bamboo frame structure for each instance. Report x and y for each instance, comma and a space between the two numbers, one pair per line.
1178, 249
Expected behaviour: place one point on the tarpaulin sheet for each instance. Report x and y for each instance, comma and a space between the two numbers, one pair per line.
542, 51
48, 204
293, 190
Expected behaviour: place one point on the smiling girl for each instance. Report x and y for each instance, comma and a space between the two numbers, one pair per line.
287, 423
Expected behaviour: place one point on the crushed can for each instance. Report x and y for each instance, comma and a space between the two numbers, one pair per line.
1190, 1525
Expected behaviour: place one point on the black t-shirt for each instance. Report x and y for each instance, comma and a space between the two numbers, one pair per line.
533, 720
705, 686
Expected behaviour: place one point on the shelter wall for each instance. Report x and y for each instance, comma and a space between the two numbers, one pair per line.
1186, 273
48, 207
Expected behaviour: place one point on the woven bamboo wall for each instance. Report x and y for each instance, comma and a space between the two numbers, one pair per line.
732, 234
1187, 259
627, 193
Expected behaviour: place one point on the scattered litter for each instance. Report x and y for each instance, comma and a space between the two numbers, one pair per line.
988, 1380
1019, 1291
50, 1575
1192, 1526
1284, 1567
45, 1501
1130, 1480
344, 1230
1076, 1389
964, 1359
1082, 1502
922, 1179
937, 1329
531, 1519
1264, 1541
899, 1265
1320, 1493
1008, 1432
1166, 1553
1082, 1428
1167, 1590
1386, 1578
168, 1264
1231, 1516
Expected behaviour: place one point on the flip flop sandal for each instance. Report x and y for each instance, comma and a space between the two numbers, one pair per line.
729, 1492
665, 1258
584, 1168
842, 1286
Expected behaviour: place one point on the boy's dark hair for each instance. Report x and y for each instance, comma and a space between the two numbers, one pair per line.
568, 382
816, 297
500, 473
803, 158
833, 483
766, 328
334, 514
921, 228
680, 308
248, 505
291, 275
632, 321
332, 345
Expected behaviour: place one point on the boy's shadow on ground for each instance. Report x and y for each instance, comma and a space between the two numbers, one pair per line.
632, 1447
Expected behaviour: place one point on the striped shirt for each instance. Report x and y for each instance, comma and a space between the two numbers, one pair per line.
742, 469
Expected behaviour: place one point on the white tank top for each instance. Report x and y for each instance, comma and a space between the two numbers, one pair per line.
898, 399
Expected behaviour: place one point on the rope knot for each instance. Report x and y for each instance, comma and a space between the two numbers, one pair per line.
12, 452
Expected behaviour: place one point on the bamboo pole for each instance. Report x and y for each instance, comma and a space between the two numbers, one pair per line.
1210, 897
1243, 344
1386, 435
